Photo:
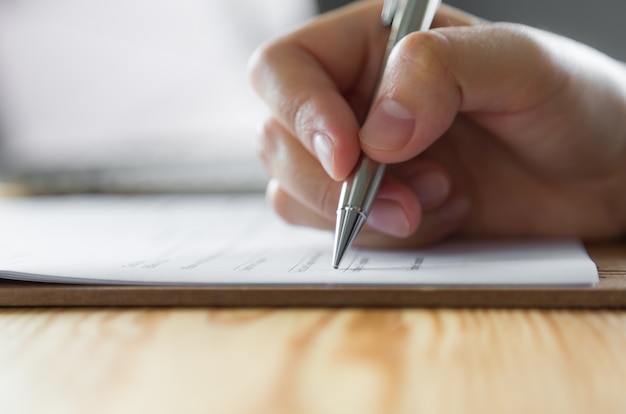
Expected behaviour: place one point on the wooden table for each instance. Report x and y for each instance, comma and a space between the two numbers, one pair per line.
311, 361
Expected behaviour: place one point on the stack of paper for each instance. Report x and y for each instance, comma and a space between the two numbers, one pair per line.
236, 239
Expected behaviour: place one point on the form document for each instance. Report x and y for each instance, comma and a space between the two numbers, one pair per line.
233, 239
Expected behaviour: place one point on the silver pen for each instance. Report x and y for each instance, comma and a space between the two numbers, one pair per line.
359, 190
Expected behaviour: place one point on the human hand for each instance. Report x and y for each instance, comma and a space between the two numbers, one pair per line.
488, 129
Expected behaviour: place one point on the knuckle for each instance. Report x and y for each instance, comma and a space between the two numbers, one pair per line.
303, 114
281, 203
260, 64
279, 87
268, 142
427, 52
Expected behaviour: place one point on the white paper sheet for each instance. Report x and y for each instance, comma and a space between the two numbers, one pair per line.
236, 239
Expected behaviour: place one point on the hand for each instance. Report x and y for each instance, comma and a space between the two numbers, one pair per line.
489, 129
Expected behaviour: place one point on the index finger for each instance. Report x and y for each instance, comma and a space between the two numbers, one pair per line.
317, 81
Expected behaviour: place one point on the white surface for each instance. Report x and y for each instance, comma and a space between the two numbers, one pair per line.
90, 83
236, 239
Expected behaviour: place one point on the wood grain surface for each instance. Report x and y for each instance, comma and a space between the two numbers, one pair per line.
311, 361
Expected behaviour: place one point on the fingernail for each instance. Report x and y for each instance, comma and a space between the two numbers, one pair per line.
323, 147
389, 127
388, 217
432, 188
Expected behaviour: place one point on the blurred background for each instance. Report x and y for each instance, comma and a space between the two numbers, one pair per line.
128, 95
152, 95
597, 23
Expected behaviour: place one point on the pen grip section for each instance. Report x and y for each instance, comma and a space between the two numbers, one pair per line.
360, 190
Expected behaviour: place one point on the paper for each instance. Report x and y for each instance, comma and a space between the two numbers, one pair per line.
236, 239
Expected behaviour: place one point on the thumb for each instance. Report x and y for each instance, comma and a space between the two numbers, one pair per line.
432, 76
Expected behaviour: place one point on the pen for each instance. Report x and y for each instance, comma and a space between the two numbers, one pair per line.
359, 190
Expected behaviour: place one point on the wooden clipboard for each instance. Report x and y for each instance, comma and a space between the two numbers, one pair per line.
610, 292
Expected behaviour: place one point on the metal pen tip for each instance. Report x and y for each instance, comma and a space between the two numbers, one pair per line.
349, 223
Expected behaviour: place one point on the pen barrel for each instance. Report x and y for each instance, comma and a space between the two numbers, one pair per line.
412, 16
408, 16
359, 192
